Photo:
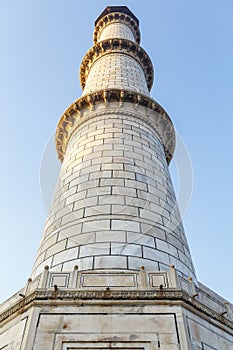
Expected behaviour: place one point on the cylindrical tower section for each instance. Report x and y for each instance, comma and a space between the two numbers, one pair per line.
114, 206
116, 30
132, 76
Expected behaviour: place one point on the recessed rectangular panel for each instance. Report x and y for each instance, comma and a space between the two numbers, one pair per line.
108, 280
210, 336
61, 280
207, 347
13, 336
107, 345
157, 280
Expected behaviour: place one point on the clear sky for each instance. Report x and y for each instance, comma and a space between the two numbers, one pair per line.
42, 44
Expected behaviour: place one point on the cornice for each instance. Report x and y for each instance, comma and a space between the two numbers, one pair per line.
116, 45
82, 110
42, 296
116, 17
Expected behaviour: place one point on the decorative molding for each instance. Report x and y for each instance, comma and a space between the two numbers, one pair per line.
155, 116
116, 17
63, 296
116, 45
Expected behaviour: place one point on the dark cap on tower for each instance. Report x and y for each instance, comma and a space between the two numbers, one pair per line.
121, 9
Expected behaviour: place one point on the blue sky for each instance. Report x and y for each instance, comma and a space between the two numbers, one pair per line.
42, 44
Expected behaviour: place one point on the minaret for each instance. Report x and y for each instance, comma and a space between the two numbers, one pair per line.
114, 206
113, 270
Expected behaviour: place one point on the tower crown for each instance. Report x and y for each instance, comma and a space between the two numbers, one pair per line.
120, 9
116, 53
118, 14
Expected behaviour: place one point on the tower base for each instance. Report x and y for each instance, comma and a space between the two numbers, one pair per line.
99, 310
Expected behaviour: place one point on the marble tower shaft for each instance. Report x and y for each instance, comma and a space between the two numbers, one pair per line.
114, 205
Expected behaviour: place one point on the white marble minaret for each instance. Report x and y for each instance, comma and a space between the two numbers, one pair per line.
113, 269
114, 206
